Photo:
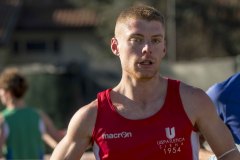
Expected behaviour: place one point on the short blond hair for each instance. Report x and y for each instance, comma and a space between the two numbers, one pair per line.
143, 12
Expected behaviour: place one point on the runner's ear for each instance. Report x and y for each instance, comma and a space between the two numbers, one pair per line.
114, 46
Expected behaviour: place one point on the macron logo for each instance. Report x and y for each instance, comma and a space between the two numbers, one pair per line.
117, 135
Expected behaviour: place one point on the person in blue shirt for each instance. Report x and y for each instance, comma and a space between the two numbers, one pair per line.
226, 98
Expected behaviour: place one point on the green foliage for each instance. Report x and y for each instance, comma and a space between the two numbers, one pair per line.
206, 28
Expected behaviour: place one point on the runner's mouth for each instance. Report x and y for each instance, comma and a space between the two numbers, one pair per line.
146, 62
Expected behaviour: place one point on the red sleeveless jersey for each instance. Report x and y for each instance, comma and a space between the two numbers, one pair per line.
167, 135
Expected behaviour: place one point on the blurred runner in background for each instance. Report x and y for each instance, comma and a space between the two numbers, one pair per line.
23, 128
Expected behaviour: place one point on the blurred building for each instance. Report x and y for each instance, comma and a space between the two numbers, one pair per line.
46, 31
56, 45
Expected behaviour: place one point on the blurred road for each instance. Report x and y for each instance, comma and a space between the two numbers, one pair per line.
86, 156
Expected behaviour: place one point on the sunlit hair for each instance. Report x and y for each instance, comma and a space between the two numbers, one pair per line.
11, 80
144, 12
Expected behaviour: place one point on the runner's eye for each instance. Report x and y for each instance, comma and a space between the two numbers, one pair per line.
136, 40
156, 41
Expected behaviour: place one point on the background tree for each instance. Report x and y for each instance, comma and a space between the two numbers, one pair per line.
204, 29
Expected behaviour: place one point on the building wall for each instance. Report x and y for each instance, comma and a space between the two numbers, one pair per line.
53, 47
202, 73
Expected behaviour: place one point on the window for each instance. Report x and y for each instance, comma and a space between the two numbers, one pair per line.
15, 47
36, 46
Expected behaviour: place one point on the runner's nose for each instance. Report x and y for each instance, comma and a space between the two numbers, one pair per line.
147, 49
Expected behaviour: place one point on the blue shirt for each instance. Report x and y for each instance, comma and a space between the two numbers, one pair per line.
226, 97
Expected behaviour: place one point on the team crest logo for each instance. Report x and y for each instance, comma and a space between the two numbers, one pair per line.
170, 132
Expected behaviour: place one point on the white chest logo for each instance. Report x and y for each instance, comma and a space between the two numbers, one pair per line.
170, 133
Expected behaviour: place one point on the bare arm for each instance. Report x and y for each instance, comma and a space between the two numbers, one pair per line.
78, 136
203, 115
52, 135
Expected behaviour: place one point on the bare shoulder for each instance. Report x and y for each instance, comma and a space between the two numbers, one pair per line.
189, 91
79, 133
88, 111
193, 95
84, 119
195, 101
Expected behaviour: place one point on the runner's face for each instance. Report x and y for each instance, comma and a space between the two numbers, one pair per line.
140, 45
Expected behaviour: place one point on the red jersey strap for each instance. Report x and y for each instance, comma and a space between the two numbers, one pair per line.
173, 85
103, 99
173, 93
